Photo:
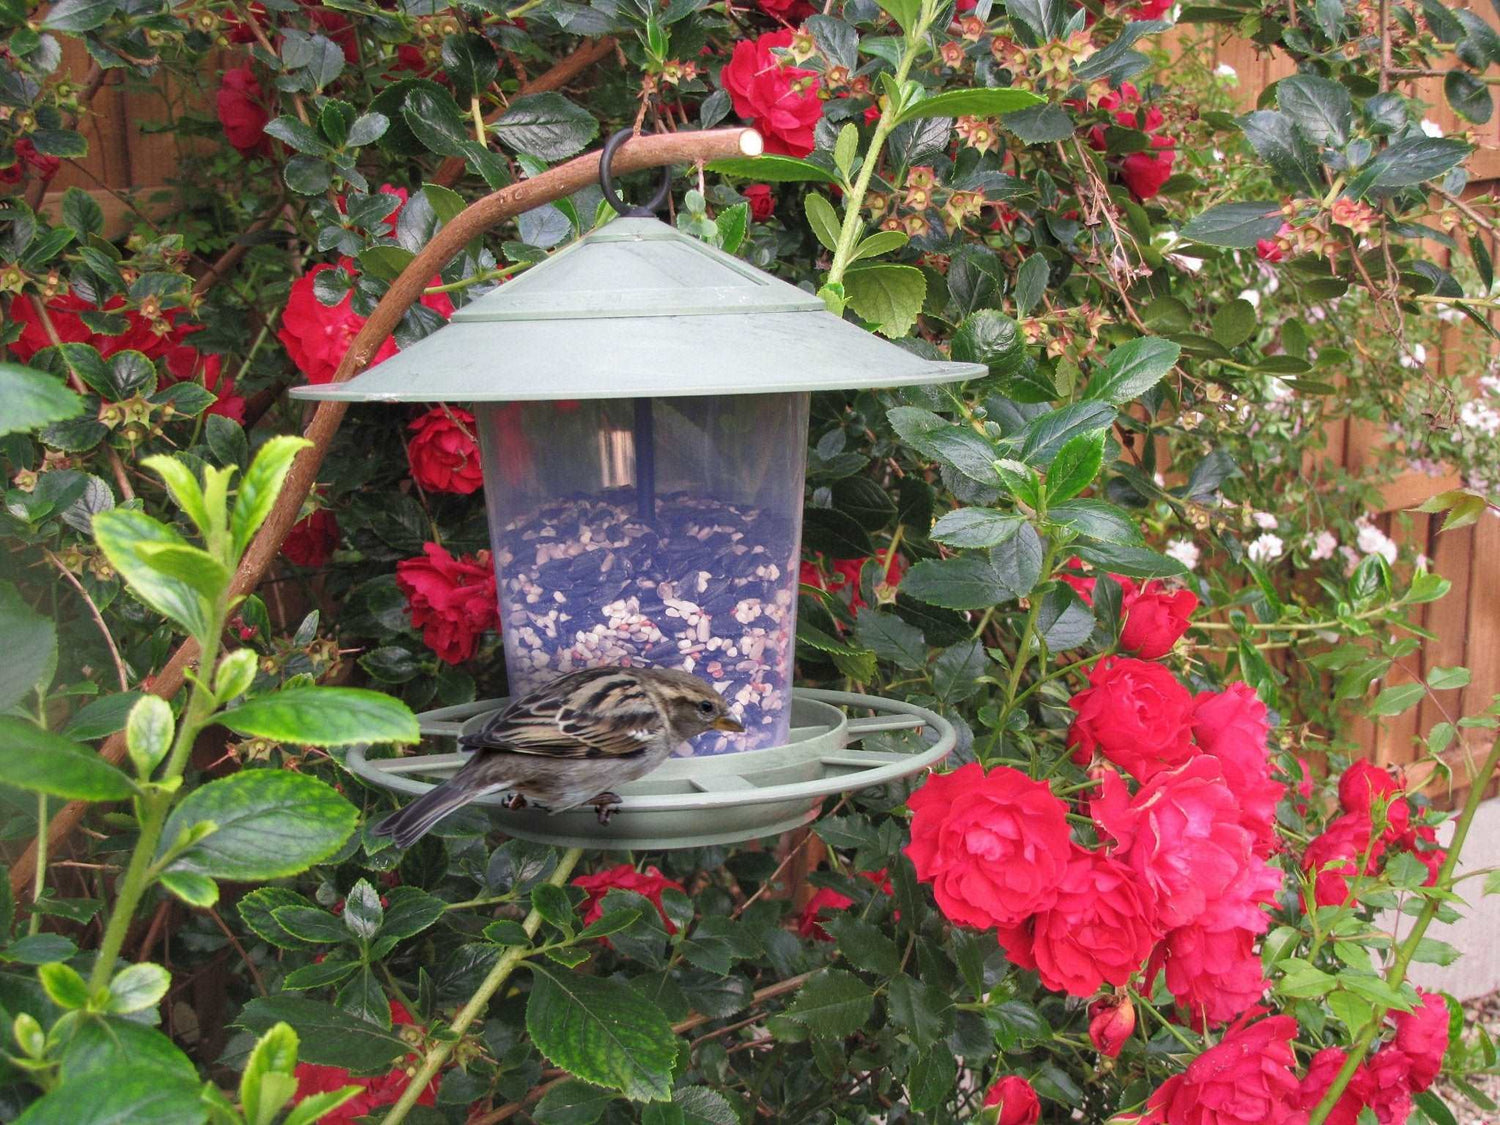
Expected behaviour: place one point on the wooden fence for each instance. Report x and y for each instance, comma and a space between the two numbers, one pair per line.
130, 167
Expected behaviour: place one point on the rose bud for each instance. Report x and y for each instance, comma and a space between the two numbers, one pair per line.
1111, 1022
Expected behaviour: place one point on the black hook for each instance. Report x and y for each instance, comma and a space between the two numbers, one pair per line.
606, 183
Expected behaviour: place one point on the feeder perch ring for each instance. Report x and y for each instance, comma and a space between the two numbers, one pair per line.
691, 802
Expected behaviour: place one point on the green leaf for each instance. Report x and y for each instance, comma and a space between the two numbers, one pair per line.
990, 337
1320, 107
94, 1043
573, 1103
1444, 679
1408, 163
137, 987
1234, 322
976, 527
34, 399
732, 223
988, 101
1041, 124
273, 1057
1394, 700
260, 486
186, 492
934, 436
863, 945
833, 1005
323, 716
904, 12
1276, 141
298, 136
1133, 562
922, 1010
120, 1095
135, 545
1132, 369
773, 169
63, 986
385, 262
148, 733
1076, 465
363, 913
31, 648
470, 61
890, 638
329, 1036
409, 911
1468, 96
888, 296
195, 890
823, 220
547, 126
599, 1030
312, 1109
966, 582
256, 910
271, 823
1235, 225
79, 15
43, 762
1031, 283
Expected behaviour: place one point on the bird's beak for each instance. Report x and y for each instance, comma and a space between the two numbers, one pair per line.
724, 722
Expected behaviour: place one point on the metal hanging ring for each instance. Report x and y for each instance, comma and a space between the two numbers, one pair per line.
606, 182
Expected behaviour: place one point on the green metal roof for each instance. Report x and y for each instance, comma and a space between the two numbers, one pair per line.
637, 309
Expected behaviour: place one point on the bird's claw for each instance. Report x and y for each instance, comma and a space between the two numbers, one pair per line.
604, 806
515, 802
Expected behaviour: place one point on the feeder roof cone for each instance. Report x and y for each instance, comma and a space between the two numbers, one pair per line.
637, 309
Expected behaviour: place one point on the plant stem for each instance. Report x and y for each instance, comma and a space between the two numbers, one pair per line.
34, 924
513, 955
1408, 949
152, 809
1028, 631
849, 233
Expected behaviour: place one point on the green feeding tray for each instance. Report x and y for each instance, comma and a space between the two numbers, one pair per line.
692, 802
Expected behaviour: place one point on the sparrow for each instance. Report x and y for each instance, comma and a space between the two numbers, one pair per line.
570, 743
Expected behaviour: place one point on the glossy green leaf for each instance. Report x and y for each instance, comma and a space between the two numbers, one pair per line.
1132, 369
985, 101
120, 1095
43, 762
323, 716
889, 296
30, 648
34, 399
329, 1036
134, 544
834, 1004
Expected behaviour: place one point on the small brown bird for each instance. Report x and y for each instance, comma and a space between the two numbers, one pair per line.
571, 742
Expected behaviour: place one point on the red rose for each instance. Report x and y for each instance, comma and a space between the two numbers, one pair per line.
1422, 1036
1081, 582
787, 11
1321, 1072
1111, 1023
1364, 786
451, 600
242, 110
312, 539
1144, 173
1017, 1101
1154, 617
1246, 1079
781, 100
444, 455
1134, 713
826, 900
1270, 250
1214, 975
650, 883
1100, 929
1389, 1086
45, 166
872, 112
762, 202
1232, 725
1181, 835
1335, 857
379, 1090
1431, 857
994, 846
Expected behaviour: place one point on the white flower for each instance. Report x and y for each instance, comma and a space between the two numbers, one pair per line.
1218, 155
1280, 390
1265, 521
1476, 416
1324, 544
1416, 357
1251, 295
1373, 541
1184, 551
1266, 548
1490, 383
1224, 70
1423, 562
1431, 128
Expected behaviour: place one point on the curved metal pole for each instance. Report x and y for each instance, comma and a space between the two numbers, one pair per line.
479, 217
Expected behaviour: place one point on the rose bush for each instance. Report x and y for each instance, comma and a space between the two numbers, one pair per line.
1150, 884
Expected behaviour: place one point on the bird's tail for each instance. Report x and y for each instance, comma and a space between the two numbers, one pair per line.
407, 826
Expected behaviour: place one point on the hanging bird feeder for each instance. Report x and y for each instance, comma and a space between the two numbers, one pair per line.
641, 400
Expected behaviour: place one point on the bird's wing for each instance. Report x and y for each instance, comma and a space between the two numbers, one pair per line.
596, 713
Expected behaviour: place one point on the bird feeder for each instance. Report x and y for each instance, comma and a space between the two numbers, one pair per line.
641, 401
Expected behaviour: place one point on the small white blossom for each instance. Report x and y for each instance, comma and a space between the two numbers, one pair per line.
1477, 416
1266, 548
1431, 128
1224, 70
1184, 551
1324, 544
1423, 562
1373, 541
1491, 383
1280, 390
1251, 295
1266, 521
1218, 155
1416, 357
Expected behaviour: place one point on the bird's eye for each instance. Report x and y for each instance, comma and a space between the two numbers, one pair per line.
706, 708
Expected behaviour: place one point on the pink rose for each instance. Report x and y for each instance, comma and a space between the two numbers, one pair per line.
1232, 726
1321, 1072
451, 600
1343, 851
781, 100
1099, 931
1422, 1036
993, 846
1134, 713
444, 455
1214, 975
